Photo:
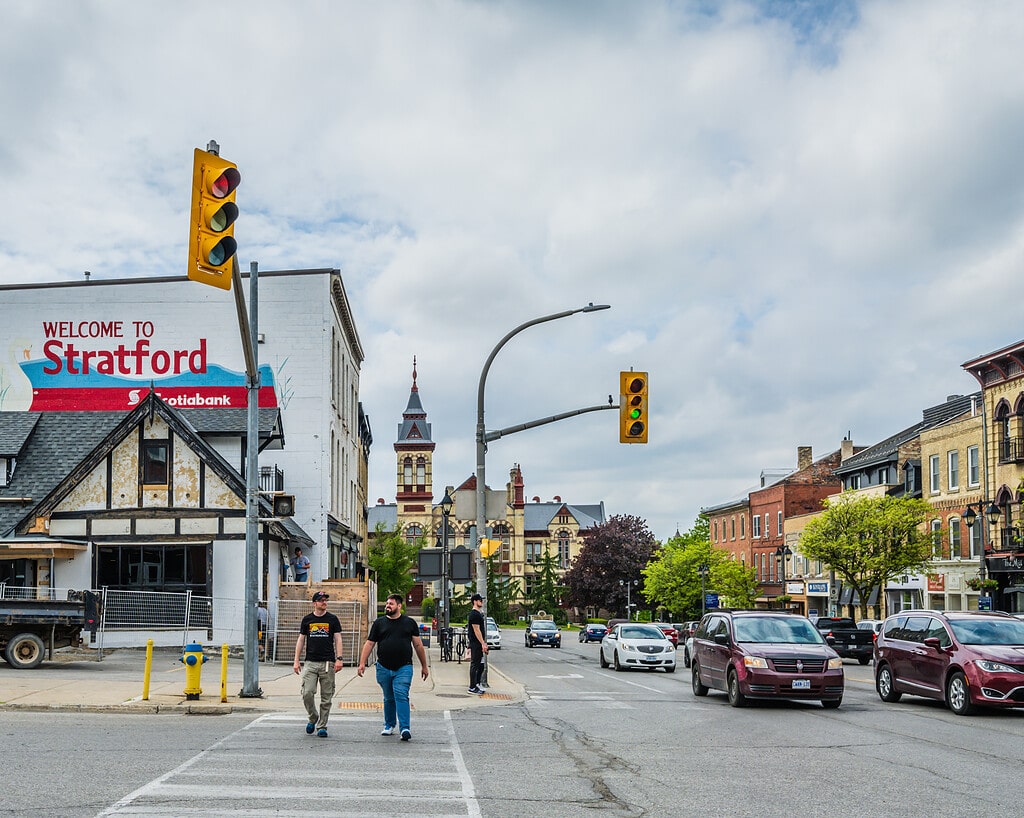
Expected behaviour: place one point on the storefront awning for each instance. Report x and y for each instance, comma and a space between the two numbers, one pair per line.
40, 549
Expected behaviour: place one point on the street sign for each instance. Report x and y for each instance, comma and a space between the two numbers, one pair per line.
710, 600
984, 603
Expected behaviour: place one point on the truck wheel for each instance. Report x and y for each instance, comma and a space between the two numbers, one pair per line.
24, 651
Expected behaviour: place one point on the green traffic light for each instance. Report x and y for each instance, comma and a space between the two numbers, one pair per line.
634, 414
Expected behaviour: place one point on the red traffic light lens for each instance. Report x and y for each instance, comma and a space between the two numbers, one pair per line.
225, 183
636, 385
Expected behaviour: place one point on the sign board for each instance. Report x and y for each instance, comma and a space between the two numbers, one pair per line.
462, 568
812, 612
795, 588
710, 600
817, 588
430, 565
984, 603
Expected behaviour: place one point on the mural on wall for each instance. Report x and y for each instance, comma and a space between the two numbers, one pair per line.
98, 365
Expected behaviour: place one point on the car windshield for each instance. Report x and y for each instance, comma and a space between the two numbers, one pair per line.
784, 629
542, 625
641, 632
988, 631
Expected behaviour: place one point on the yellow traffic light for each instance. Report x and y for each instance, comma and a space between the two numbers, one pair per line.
488, 547
211, 240
632, 407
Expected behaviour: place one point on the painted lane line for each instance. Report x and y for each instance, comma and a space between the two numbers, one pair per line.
468, 791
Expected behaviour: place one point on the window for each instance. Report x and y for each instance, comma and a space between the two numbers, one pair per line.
154, 462
937, 538
421, 474
564, 540
933, 473
954, 537
413, 533
153, 568
407, 474
953, 462
716, 530
755, 526
974, 539
732, 528
501, 532
778, 524
767, 526
972, 466
853, 482
533, 551
883, 476
743, 527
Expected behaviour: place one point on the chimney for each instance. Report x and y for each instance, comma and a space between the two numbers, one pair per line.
846, 450
803, 457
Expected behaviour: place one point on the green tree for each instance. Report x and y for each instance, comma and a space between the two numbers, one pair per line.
735, 583
869, 540
547, 592
502, 592
393, 559
672, 579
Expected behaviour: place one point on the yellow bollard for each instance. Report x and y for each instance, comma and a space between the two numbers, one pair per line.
149, 669
224, 672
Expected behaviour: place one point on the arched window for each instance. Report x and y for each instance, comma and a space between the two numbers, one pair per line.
937, 538
564, 540
407, 474
421, 474
954, 537
413, 533
501, 532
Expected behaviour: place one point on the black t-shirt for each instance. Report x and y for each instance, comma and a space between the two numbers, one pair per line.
394, 640
476, 618
319, 632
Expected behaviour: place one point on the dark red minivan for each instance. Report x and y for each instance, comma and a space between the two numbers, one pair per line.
967, 659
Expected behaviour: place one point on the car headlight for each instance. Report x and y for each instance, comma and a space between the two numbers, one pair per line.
755, 661
670, 648
835, 663
994, 667
624, 646
558, 633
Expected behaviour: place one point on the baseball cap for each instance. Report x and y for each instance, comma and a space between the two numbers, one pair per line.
475, 597
320, 595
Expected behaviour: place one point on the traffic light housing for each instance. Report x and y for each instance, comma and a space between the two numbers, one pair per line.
632, 407
284, 505
211, 241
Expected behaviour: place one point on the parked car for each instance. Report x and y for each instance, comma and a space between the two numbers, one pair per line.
669, 630
543, 632
688, 651
493, 634
765, 655
967, 659
593, 632
846, 638
873, 625
634, 644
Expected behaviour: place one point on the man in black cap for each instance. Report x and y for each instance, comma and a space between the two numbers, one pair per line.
320, 635
476, 627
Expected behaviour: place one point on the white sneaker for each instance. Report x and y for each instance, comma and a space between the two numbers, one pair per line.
388, 731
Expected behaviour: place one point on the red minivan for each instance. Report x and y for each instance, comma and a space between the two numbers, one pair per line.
966, 659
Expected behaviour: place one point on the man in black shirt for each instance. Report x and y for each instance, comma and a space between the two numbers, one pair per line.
476, 628
395, 636
320, 635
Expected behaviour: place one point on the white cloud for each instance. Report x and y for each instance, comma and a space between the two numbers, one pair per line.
805, 216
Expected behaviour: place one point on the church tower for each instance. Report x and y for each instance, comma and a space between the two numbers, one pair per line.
414, 451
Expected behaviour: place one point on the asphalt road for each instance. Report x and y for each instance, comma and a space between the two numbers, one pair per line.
587, 741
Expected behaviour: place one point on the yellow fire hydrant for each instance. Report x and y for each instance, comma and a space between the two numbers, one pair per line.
193, 658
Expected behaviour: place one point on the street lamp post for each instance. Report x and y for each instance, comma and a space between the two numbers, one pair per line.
992, 514
629, 606
481, 440
783, 553
703, 570
446, 510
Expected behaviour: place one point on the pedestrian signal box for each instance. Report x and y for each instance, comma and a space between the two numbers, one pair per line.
632, 407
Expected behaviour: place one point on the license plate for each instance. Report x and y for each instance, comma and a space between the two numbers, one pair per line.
801, 684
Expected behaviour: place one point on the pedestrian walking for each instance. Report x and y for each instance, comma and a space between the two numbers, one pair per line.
476, 627
261, 629
396, 636
300, 566
320, 635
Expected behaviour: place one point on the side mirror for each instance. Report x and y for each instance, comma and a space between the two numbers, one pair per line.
933, 642
721, 639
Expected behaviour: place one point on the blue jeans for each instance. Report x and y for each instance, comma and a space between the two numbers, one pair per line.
395, 684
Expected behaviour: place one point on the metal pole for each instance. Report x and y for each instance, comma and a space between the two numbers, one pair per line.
445, 612
703, 591
481, 442
250, 671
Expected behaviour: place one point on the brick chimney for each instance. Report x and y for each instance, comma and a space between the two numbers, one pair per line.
803, 457
846, 449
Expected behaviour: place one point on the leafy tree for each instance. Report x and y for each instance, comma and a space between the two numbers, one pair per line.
735, 583
547, 592
869, 540
671, 577
393, 559
617, 549
502, 592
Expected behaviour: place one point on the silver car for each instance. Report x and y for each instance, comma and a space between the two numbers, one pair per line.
633, 644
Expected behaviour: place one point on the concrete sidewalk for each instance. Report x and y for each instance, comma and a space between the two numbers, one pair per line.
77, 680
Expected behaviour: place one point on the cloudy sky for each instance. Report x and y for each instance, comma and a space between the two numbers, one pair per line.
805, 215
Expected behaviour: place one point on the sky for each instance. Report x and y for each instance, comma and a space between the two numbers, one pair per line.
805, 215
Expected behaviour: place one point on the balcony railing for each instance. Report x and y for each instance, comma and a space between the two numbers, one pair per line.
271, 478
1011, 450
1010, 539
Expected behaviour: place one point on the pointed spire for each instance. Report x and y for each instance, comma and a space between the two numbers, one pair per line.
414, 387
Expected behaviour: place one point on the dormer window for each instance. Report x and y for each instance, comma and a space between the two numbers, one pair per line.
4, 476
154, 462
